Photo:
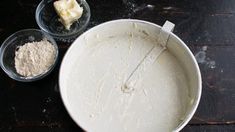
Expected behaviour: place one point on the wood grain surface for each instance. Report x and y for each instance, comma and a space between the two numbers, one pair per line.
206, 26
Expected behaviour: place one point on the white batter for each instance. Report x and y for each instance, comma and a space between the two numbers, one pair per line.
157, 102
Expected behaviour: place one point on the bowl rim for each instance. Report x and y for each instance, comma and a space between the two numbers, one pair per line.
5, 43
195, 104
56, 35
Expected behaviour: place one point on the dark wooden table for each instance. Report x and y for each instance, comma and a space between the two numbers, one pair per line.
206, 26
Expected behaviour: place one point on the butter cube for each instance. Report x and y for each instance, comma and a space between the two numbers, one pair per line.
69, 11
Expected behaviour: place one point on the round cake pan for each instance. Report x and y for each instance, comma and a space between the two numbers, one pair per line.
164, 102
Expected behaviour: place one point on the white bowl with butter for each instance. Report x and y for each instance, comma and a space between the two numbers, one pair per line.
164, 94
